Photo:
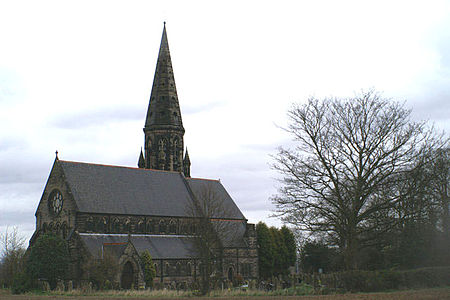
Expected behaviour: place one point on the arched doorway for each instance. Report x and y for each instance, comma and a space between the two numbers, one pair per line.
230, 274
127, 279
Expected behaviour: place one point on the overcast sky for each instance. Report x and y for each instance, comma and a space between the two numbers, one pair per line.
75, 76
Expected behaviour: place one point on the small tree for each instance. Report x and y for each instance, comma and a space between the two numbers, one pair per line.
148, 267
291, 248
279, 252
49, 259
317, 255
265, 251
209, 213
13, 251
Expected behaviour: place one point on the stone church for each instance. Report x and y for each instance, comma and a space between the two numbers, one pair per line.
124, 211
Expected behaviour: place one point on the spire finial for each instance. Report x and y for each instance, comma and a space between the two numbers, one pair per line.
164, 23
56, 153
141, 161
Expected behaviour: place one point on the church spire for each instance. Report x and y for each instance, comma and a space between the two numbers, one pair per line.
163, 125
164, 109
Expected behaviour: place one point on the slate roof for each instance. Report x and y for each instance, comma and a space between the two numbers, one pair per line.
231, 233
228, 209
134, 191
159, 246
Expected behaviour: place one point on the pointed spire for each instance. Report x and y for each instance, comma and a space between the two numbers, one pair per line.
56, 155
163, 128
164, 109
141, 161
187, 164
186, 156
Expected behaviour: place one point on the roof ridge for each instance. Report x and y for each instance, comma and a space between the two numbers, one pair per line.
133, 168
216, 180
115, 166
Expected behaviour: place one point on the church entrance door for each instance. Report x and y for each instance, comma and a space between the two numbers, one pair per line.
230, 274
127, 276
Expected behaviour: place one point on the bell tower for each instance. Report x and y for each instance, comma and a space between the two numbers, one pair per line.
163, 130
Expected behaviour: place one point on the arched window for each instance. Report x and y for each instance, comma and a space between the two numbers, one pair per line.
230, 274
178, 269
167, 268
58, 228
156, 269
116, 225
150, 227
64, 229
188, 269
141, 227
176, 152
90, 224
127, 225
183, 228
161, 145
44, 227
162, 226
103, 225
162, 149
172, 227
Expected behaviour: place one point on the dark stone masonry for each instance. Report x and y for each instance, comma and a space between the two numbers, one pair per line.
125, 211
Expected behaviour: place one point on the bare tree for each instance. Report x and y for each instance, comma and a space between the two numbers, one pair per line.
350, 154
13, 250
213, 232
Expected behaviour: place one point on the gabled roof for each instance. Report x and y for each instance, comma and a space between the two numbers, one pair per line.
159, 246
133, 191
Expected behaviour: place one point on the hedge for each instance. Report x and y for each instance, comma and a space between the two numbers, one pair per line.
376, 281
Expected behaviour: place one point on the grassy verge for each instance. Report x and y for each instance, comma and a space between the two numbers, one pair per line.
427, 294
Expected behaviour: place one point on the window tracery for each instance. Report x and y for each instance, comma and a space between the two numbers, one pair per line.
103, 224
178, 268
189, 268
58, 228
150, 227
64, 229
116, 225
90, 224
172, 227
167, 268
141, 227
127, 225
162, 226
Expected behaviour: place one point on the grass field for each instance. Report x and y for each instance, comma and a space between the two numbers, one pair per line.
427, 294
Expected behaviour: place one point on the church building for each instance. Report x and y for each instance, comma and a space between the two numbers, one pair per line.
124, 211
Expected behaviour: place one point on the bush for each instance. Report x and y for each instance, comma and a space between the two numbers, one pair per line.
376, 281
21, 283
49, 259
102, 271
148, 267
